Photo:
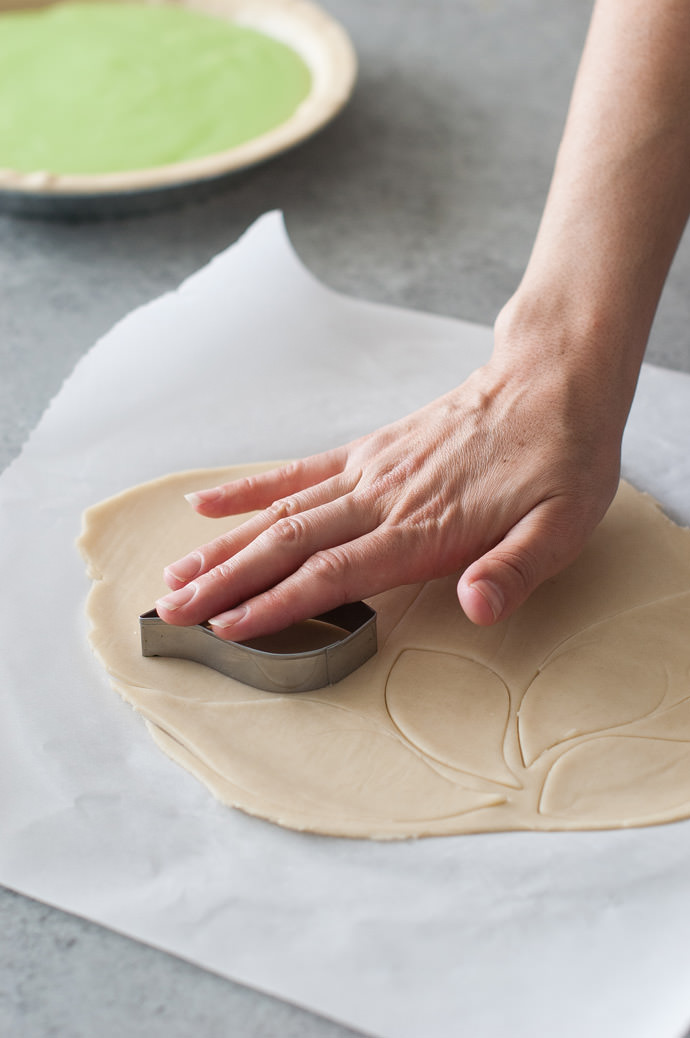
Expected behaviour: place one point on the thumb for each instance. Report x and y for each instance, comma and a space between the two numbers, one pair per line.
540, 545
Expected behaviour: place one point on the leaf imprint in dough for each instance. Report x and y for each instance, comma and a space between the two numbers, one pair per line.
306, 754
618, 780
610, 674
453, 709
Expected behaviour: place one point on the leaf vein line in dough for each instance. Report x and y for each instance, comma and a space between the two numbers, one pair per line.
230, 780
550, 757
568, 741
406, 611
613, 734
650, 772
615, 731
638, 607
121, 682
657, 714
318, 806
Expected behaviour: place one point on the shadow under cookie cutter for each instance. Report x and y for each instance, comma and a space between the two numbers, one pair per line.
269, 670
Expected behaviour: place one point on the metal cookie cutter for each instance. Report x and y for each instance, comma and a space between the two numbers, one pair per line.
274, 671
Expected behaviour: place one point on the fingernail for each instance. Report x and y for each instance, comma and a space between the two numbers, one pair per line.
203, 497
187, 568
178, 598
227, 620
492, 595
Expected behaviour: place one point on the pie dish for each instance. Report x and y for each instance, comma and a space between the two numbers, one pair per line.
313, 35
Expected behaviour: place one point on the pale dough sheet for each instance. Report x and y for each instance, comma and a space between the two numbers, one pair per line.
532, 934
573, 714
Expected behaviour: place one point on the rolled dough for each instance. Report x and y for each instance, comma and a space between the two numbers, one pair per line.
572, 714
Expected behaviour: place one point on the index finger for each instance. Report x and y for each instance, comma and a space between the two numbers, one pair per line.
360, 568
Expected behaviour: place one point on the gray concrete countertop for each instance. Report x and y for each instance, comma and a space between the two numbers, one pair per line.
426, 192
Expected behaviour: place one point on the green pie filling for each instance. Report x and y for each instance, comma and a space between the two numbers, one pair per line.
106, 88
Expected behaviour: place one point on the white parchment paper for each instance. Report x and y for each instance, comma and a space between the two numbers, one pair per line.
527, 935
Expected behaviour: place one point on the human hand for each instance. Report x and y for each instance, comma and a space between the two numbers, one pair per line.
503, 479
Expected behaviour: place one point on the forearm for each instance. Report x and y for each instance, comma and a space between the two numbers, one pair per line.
504, 478
618, 202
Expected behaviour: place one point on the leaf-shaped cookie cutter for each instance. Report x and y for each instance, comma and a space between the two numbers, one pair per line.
270, 671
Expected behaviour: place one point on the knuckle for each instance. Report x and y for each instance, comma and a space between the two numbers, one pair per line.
389, 491
275, 511
330, 566
280, 509
394, 479
366, 497
223, 572
522, 568
288, 531
278, 602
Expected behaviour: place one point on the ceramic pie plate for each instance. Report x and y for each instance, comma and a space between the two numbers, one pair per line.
314, 35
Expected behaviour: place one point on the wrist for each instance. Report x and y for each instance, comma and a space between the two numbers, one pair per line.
550, 330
